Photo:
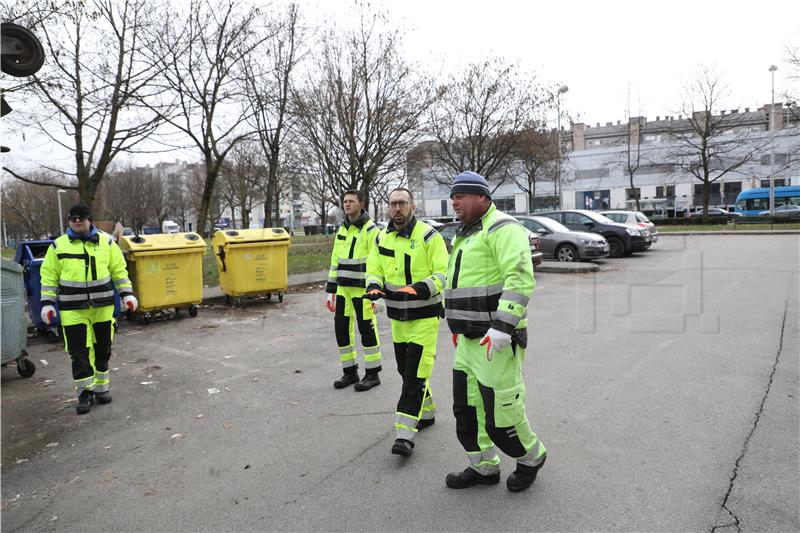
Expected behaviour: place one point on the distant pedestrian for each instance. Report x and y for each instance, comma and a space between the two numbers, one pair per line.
489, 283
79, 273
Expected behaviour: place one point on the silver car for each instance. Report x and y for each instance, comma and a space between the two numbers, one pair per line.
634, 218
561, 243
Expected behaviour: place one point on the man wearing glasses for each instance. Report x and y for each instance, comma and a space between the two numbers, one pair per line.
407, 268
79, 272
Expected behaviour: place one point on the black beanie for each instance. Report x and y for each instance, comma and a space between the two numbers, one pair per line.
470, 183
80, 210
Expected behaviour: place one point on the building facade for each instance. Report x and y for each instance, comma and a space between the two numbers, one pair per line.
594, 174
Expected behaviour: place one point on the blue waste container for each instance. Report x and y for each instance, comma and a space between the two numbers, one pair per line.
30, 254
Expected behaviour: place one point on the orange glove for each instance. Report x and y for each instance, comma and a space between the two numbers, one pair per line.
455, 340
408, 290
330, 303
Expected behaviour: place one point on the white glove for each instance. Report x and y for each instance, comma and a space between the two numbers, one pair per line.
495, 340
330, 302
130, 302
47, 311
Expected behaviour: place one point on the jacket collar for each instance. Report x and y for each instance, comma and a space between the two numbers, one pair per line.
406, 232
475, 227
92, 236
362, 219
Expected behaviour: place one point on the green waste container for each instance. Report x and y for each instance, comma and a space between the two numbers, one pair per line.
166, 271
14, 331
252, 262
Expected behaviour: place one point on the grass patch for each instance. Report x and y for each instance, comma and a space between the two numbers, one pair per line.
9, 253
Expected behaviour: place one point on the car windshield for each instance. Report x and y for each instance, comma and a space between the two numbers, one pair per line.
597, 217
552, 225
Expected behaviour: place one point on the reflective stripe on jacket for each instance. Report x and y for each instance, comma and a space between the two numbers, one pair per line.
351, 247
81, 274
489, 276
417, 256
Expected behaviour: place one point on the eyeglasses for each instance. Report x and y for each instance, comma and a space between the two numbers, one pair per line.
399, 205
76, 218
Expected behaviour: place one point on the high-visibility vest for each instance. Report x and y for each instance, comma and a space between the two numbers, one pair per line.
351, 247
80, 274
417, 256
489, 276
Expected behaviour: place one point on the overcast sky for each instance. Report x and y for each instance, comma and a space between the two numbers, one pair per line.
600, 48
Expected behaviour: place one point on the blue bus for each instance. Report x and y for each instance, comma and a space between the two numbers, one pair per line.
754, 201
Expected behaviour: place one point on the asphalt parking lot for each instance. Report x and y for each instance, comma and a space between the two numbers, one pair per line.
664, 387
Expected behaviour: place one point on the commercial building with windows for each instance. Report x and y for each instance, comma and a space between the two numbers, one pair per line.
594, 173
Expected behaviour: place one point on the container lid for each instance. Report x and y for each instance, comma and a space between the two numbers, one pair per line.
8, 264
161, 241
249, 235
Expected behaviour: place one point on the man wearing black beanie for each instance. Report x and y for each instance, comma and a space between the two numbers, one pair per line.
80, 272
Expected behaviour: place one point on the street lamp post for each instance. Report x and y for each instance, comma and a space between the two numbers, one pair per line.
60, 215
772, 70
561, 90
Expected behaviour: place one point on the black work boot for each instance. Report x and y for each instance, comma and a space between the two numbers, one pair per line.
523, 477
403, 447
349, 377
370, 380
85, 401
425, 422
102, 397
470, 477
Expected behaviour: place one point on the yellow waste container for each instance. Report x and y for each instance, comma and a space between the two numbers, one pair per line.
252, 262
166, 270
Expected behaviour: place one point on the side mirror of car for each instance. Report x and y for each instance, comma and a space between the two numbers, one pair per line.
542, 231
589, 224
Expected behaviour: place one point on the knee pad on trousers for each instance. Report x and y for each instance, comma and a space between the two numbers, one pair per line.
75, 336
411, 396
504, 437
341, 325
466, 415
365, 325
102, 346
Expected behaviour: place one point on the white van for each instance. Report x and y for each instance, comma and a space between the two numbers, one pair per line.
169, 226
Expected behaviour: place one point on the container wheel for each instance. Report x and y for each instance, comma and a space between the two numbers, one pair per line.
280, 297
147, 317
269, 296
193, 310
228, 300
238, 301
25, 367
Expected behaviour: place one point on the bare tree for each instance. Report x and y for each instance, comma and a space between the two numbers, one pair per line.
133, 195
32, 211
92, 87
268, 91
360, 114
202, 57
243, 169
478, 120
712, 145
537, 153
633, 152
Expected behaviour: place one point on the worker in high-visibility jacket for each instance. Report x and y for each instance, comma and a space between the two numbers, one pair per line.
80, 272
407, 269
345, 294
489, 283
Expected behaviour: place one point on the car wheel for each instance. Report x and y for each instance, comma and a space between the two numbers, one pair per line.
567, 253
615, 247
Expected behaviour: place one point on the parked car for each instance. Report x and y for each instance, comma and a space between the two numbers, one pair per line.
634, 218
621, 239
716, 212
150, 230
788, 210
431, 222
560, 243
128, 231
448, 232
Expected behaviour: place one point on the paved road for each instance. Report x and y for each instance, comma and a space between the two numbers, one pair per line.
664, 386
